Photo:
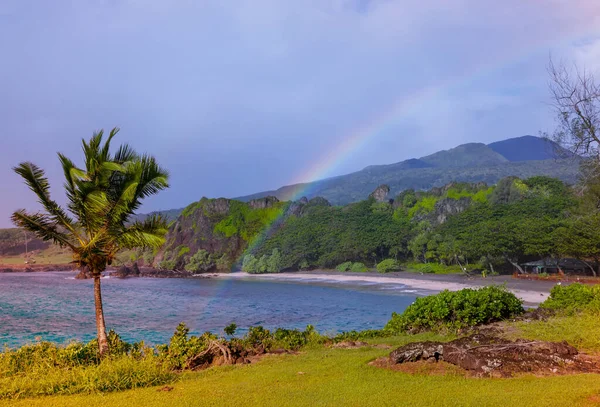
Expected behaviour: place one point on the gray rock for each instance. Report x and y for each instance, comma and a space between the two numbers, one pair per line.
381, 193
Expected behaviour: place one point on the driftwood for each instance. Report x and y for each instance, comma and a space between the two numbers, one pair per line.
206, 358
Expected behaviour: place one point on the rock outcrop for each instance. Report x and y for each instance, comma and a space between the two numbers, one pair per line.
495, 356
84, 274
125, 272
381, 193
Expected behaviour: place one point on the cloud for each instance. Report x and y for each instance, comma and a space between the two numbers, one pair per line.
240, 96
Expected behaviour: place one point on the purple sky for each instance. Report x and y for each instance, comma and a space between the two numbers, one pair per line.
235, 97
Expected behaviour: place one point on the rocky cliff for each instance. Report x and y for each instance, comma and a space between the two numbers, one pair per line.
212, 234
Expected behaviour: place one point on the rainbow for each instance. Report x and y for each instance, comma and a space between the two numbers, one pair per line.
402, 107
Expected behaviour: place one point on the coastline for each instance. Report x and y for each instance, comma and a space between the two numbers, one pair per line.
531, 292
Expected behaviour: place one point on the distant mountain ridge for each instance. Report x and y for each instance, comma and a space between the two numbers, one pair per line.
523, 157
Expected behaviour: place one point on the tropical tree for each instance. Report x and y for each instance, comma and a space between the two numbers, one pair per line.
101, 196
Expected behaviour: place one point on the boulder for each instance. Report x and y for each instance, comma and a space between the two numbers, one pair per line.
491, 355
380, 194
84, 274
262, 203
414, 352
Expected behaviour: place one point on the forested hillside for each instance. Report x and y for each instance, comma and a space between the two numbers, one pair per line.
460, 224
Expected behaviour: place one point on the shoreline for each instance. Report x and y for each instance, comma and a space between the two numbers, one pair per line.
531, 292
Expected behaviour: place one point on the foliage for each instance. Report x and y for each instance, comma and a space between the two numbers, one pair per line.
325, 236
573, 297
181, 348
423, 206
434, 268
246, 222
249, 264
230, 329
182, 250
345, 266
200, 262
44, 368
358, 268
457, 310
102, 198
495, 228
265, 264
388, 265
167, 265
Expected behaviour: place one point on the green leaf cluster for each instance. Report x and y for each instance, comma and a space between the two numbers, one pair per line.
455, 310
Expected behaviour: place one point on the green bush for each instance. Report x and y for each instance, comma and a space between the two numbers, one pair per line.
344, 266
294, 339
112, 374
388, 265
200, 262
266, 264
182, 348
456, 310
249, 264
434, 268
573, 297
358, 268
45, 368
167, 265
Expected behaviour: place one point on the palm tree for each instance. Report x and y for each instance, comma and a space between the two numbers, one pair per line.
101, 199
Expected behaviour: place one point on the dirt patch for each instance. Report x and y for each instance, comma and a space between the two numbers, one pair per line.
349, 345
421, 367
486, 355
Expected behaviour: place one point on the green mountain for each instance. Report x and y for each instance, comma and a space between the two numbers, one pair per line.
522, 157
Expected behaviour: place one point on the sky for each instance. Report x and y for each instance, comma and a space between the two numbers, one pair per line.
237, 97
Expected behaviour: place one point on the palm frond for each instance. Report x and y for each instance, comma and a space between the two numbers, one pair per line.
36, 181
125, 153
42, 226
105, 153
149, 233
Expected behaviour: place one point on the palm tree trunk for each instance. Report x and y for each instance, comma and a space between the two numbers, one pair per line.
100, 326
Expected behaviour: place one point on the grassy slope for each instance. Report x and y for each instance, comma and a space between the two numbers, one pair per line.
343, 377
51, 255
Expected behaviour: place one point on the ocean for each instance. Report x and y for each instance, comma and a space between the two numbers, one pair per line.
53, 306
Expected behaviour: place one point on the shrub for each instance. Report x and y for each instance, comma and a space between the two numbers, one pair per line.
167, 265
262, 265
266, 264
44, 368
182, 348
230, 329
388, 265
274, 262
344, 266
456, 310
358, 268
435, 268
573, 297
200, 262
249, 264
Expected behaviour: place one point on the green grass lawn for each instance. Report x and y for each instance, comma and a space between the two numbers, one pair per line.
341, 377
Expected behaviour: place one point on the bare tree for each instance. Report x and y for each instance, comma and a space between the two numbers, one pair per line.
576, 100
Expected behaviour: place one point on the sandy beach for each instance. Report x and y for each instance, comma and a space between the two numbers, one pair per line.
531, 292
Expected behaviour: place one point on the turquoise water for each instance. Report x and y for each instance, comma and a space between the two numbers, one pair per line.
56, 307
